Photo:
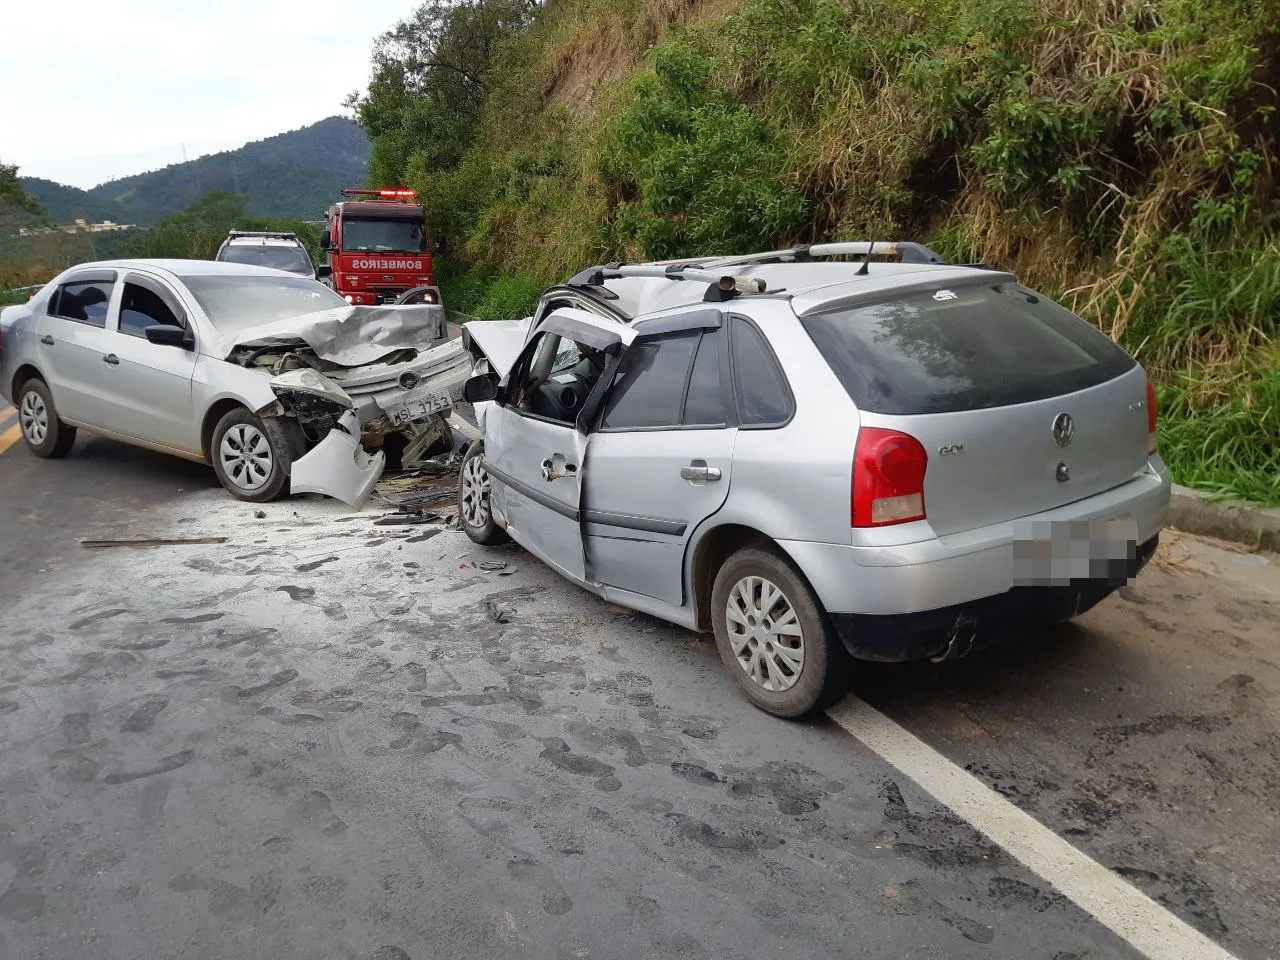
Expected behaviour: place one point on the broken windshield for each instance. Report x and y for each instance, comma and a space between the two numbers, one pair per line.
233, 303
384, 236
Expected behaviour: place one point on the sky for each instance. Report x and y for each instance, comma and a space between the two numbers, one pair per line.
92, 91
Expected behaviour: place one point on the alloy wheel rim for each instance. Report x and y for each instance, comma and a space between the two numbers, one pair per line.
765, 634
34, 417
475, 494
246, 456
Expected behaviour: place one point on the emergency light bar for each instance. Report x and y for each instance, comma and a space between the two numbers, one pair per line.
386, 194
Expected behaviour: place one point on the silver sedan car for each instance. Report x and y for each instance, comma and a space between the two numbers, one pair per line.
818, 461
272, 378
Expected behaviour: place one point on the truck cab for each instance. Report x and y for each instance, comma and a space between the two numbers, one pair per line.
378, 246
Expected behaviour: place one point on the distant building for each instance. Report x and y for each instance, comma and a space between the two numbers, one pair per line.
80, 226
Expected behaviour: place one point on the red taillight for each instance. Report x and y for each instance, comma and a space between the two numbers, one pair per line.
1151, 419
888, 478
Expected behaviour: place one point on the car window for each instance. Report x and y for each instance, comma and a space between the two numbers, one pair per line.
234, 302
968, 348
400, 235
556, 377
704, 403
759, 386
83, 302
568, 356
276, 256
650, 382
141, 308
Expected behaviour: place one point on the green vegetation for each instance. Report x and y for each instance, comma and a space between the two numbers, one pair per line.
295, 175
195, 232
1118, 155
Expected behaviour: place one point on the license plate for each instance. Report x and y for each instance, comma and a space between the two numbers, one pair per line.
416, 407
1059, 552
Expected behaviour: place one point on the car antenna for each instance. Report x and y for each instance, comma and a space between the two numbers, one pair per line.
866, 262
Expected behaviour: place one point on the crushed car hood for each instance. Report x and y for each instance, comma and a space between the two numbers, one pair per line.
349, 336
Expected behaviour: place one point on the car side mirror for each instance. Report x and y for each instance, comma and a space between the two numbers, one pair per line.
324, 271
439, 245
170, 336
326, 241
480, 388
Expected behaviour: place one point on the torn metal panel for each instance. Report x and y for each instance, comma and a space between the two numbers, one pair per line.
350, 336
338, 467
498, 340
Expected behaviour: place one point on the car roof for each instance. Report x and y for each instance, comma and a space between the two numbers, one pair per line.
264, 241
185, 268
809, 286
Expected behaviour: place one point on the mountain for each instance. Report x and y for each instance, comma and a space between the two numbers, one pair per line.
294, 175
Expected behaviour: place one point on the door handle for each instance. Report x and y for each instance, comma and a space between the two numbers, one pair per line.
698, 471
556, 468
47, 340
112, 359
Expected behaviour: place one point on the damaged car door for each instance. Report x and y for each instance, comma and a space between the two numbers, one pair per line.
534, 441
147, 379
660, 457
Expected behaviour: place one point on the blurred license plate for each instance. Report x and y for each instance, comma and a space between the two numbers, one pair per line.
418, 406
1058, 552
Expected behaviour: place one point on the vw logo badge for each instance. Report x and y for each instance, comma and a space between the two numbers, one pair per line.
409, 380
1063, 429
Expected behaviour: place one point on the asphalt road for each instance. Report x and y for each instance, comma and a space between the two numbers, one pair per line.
328, 738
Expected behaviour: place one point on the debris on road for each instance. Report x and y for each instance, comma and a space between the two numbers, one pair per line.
492, 564
498, 612
154, 542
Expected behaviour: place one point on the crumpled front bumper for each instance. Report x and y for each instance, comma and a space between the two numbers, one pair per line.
338, 467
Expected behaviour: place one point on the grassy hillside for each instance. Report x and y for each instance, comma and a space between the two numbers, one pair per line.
295, 174
1118, 154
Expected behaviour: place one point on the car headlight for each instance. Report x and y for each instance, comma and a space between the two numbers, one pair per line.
349, 298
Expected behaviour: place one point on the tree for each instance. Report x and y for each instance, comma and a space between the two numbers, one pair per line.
17, 207
197, 231
430, 78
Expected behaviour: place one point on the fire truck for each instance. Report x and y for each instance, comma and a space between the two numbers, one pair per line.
378, 248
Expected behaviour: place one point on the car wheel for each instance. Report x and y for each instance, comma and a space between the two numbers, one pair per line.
774, 637
46, 435
474, 510
252, 457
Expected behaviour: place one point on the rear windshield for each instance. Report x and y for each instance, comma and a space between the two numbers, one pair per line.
963, 349
293, 259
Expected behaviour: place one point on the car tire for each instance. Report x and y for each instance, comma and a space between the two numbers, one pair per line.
252, 456
787, 673
474, 510
46, 435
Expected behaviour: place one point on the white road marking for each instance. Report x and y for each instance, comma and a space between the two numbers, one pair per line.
464, 428
1134, 917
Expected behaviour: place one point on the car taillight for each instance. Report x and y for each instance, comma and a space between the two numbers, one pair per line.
888, 478
1151, 419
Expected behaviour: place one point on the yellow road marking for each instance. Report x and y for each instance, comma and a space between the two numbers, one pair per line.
10, 437
8, 417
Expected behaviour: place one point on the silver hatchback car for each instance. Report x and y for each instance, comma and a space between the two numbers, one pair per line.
819, 461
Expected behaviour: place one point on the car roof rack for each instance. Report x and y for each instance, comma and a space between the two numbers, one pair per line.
908, 251
265, 234
720, 286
